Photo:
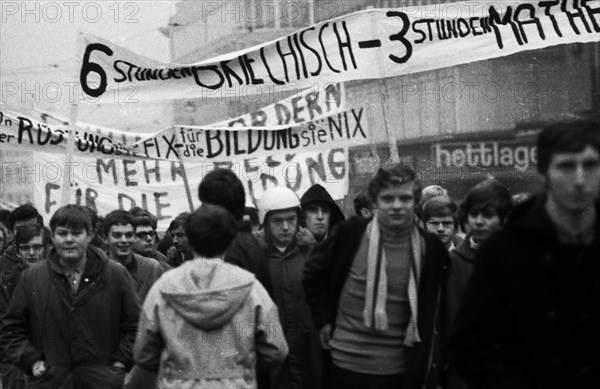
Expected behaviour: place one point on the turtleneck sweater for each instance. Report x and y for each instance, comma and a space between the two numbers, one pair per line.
356, 347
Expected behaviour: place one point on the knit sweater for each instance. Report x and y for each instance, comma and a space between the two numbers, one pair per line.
356, 347
328, 268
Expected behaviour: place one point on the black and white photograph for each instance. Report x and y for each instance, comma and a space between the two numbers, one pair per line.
300, 194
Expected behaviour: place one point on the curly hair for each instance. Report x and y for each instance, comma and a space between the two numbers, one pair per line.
395, 175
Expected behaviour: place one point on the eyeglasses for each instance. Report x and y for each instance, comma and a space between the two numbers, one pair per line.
27, 248
119, 235
145, 234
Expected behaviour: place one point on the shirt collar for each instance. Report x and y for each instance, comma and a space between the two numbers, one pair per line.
77, 269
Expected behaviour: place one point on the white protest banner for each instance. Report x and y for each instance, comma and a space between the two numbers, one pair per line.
114, 135
191, 144
104, 185
313, 120
25, 132
375, 43
311, 104
297, 171
168, 188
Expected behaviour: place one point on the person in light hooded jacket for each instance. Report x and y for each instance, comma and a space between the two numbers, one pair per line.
207, 323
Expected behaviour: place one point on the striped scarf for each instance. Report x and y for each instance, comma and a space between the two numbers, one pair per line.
374, 312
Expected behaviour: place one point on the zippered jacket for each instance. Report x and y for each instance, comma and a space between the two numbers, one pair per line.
208, 324
79, 336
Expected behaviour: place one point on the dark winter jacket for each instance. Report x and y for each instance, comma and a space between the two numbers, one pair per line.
248, 252
9, 260
462, 261
10, 278
13, 266
160, 257
530, 317
79, 336
175, 258
326, 273
9, 281
302, 369
144, 272
12, 376
318, 194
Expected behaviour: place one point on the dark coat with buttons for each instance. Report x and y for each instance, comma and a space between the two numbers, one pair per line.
78, 335
531, 313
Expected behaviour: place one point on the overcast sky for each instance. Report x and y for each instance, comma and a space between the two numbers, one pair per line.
38, 57
36, 35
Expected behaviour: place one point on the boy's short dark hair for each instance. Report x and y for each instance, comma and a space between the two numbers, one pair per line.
222, 187
210, 230
491, 194
142, 221
392, 176
26, 233
25, 212
179, 221
566, 137
115, 218
141, 217
71, 216
362, 200
439, 206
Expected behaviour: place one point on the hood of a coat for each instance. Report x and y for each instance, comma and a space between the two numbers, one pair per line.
208, 293
318, 194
